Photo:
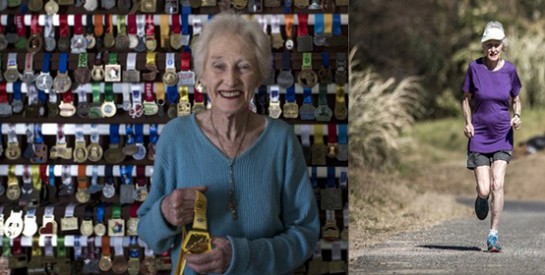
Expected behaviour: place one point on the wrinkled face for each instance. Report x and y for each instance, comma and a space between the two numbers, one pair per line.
230, 73
492, 49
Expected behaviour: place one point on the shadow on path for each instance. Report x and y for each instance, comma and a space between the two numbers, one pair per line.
451, 247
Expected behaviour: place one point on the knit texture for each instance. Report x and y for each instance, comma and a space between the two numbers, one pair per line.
278, 223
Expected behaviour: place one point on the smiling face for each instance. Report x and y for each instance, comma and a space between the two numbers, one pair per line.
492, 49
230, 73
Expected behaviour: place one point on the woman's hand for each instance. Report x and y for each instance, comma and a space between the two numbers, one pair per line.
516, 122
216, 260
178, 207
469, 131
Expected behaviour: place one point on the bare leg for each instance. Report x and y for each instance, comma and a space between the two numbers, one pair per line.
482, 176
496, 205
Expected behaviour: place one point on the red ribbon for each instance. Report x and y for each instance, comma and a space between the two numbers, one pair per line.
148, 92
3, 92
34, 25
176, 28
150, 27
140, 176
67, 97
302, 27
43, 175
20, 23
63, 23
17, 248
78, 25
133, 212
185, 61
198, 96
332, 133
131, 21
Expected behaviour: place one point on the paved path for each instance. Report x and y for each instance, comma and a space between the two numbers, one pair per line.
459, 246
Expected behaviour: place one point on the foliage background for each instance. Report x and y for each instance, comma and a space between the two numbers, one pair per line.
436, 39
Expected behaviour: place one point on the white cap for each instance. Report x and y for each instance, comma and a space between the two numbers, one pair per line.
492, 33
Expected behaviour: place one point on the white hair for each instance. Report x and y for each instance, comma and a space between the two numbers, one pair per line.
248, 30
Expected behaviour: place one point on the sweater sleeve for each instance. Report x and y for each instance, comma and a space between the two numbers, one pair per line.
288, 250
152, 227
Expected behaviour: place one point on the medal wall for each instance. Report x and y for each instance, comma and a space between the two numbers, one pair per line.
85, 89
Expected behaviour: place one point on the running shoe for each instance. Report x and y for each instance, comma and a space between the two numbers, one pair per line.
493, 243
481, 208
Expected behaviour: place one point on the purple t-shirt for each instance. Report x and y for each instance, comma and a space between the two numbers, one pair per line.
491, 92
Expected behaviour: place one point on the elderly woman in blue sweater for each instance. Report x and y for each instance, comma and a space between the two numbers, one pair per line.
262, 216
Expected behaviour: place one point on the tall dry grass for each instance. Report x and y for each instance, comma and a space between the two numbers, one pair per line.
379, 111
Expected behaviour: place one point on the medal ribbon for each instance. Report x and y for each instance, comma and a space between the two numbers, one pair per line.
38, 137
140, 181
153, 133
185, 61
114, 133
318, 134
17, 91
64, 29
131, 20
121, 26
43, 173
198, 96
148, 92
36, 180
332, 133
343, 134
176, 27
307, 95
288, 20
20, 23
3, 92
130, 134
78, 24
35, 28
322, 96
172, 94
150, 27
139, 133
126, 175
164, 29
52, 175
328, 23
290, 94
99, 27
200, 227
100, 211
337, 30
63, 63
109, 92
330, 177
318, 23
302, 27
68, 97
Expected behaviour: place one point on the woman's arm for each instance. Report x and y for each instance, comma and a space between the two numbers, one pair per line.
516, 121
469, 131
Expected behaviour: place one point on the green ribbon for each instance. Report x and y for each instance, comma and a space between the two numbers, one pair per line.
95, 87
109, 92
322, 96
6, 247
61, 249
82, 60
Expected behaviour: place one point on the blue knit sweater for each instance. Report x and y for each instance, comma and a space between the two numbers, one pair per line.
278, 223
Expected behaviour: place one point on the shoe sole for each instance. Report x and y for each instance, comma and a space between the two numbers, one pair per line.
494, 250
480, 217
